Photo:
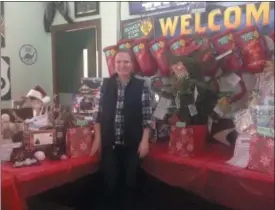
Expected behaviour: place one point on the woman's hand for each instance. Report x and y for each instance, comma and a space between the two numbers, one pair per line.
96, 146
143, 148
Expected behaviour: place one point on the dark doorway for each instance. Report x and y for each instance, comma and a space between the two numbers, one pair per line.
76, 54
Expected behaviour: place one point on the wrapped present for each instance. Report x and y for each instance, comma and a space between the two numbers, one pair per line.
79, 141
262, 155
187, 141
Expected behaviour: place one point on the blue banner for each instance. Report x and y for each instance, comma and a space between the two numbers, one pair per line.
138, 8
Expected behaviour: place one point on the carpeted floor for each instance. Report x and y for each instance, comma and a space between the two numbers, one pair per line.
84, 194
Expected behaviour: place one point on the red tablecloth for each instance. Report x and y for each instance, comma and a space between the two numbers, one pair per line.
36, 179
209, 177
11, 198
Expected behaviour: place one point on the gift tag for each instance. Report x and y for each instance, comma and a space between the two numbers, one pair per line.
192, 109
233, 79
265, 121
43, 139
195, 94
81, 123
228, 83
177, 101
224, 54
180, 124
162, 108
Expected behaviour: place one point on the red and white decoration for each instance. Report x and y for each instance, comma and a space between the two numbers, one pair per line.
39, 93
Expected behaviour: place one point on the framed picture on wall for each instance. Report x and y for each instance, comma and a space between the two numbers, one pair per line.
2, 25
86, 8
5, 79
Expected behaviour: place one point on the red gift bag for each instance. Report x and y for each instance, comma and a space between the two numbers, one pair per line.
178, 45
262, 155
126, 44
188, 141
253, 49
158, 49
143, 56
110, 54
224, 42
79, 141
200, 47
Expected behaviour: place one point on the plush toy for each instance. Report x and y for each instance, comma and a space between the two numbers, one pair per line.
8, 129
38, 99
39, 155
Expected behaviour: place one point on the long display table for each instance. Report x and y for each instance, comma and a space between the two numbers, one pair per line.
211, 178
21, 183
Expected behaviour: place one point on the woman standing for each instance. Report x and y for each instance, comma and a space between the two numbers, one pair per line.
122, 131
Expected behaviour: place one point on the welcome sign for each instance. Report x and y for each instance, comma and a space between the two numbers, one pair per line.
218, 16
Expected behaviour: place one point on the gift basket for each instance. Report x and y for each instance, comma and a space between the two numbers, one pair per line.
48, 131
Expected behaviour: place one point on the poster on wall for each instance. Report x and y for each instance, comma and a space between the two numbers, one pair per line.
218, 17
2, 25
138, 28
28, 54
5, 79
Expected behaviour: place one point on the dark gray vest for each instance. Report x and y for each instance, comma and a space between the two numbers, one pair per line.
132, 112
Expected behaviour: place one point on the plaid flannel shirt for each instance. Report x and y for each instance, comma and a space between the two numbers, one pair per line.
119, 118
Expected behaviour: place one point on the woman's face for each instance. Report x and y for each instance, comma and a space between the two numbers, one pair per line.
123, 64
178, 67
